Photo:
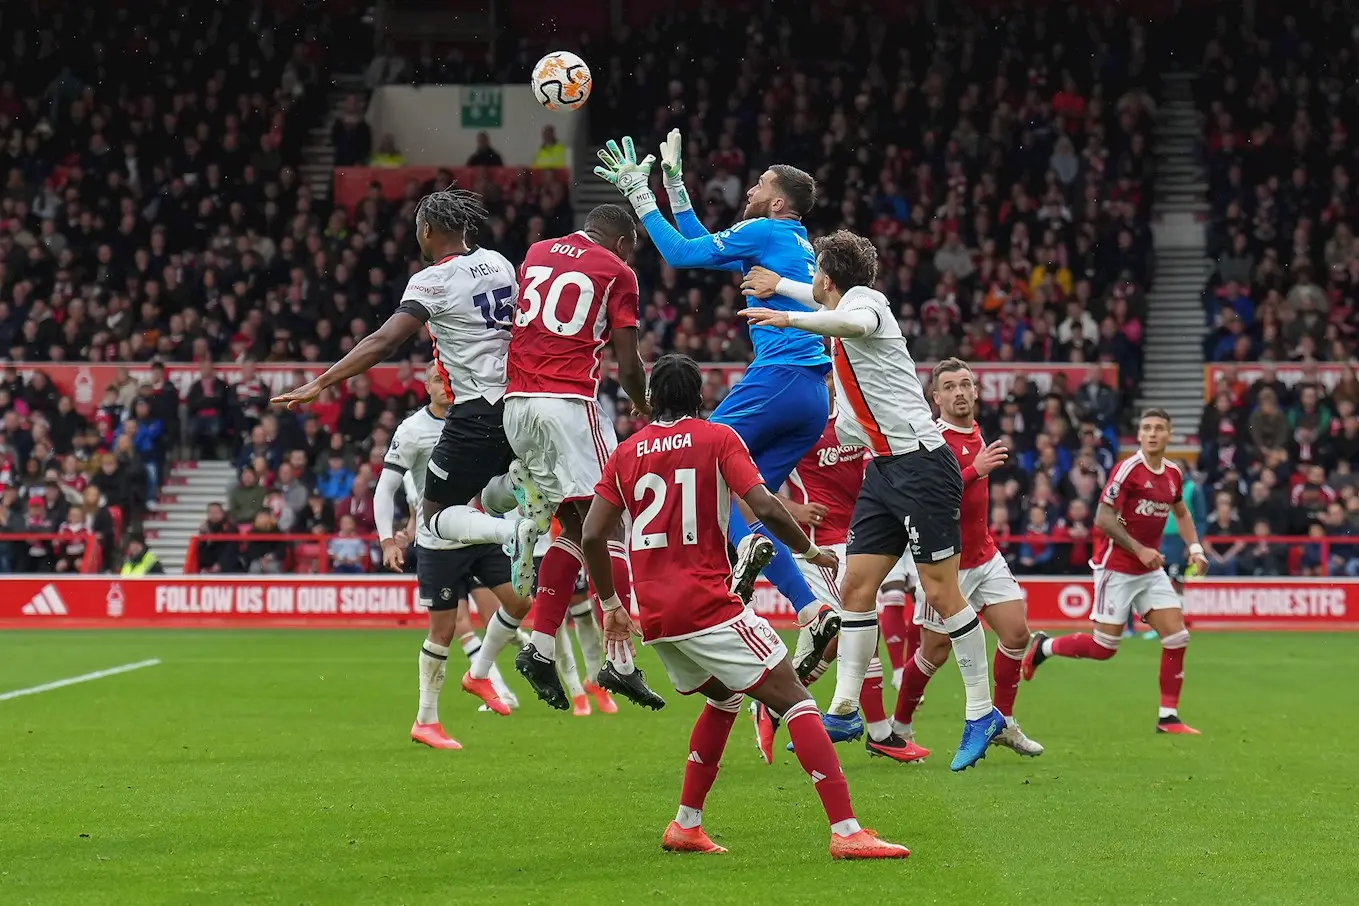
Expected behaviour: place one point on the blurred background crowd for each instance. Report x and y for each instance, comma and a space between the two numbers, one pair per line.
156, 209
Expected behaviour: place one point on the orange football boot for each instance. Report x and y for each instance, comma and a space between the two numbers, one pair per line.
688, 840
433, 735
603, 700
580, 706
484, 689
865, 845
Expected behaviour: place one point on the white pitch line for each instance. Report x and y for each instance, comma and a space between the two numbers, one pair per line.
83, 678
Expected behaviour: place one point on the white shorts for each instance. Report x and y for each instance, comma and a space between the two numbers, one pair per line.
1119, 594
984, 585
737, 654
825, 586
904, 571
562, 442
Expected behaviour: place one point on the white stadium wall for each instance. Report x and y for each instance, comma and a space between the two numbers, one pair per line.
437, 125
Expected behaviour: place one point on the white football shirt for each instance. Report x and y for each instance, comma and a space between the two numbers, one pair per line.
880, 403
412, 445
467, 302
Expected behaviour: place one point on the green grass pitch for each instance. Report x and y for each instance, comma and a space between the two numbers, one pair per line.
274, 767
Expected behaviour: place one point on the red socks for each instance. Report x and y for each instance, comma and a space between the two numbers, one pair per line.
870, 694
817, 756
1005, 675
1085, 645
556, 581
706, 743
913, 681
1172, 668
892, 622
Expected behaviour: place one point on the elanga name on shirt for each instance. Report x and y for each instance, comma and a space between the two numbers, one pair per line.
665, 444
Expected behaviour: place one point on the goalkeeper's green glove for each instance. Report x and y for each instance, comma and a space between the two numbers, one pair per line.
630, 175
674, 173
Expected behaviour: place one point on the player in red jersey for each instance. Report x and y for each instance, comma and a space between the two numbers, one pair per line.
1129, 569
822, 491
576, 294
676, 478
983, 574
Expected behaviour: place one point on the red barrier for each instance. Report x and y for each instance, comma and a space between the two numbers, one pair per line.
86, 383
389, 601
304, 551
92, 561
351, 183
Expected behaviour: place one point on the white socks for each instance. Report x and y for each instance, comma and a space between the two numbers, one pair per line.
471, 645
858, 645
433, 667
566, 664
589, 637
689, 818
500, 629
969, 650
546, 644
498, 495
847, 828
469, 526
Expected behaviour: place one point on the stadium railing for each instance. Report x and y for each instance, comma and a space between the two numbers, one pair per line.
306, 553
92, 561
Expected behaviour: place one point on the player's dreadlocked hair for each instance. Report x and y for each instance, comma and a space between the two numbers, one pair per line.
452, 212
676, 388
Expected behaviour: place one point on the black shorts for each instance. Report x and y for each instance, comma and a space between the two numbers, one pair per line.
910, 502
581, 586
447, 576
472, 450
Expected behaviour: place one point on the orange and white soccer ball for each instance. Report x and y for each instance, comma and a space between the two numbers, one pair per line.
561, 81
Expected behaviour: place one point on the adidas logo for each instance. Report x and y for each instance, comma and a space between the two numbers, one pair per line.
693, 756
46, 603
817, 777
964, 451
1148, 483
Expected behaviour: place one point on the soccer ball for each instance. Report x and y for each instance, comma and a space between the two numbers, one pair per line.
561, 81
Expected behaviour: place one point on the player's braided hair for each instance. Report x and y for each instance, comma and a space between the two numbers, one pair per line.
676, 387
452, 211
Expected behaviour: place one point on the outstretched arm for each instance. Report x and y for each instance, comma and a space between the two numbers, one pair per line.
372, 349
707, 250
830, 322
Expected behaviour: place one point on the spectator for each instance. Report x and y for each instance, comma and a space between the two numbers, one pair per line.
387, 68
1037, 556
1095, 401
1223, 522
207, 405
13, 554
75, 539
1261, 558
358, 504
1269, 427
350, 136
138, 559
551, 153
387, 154
319, 516
218, 555
337, 480
246, 499
485, 155
293, 492
101, 524
263, 556
348, 553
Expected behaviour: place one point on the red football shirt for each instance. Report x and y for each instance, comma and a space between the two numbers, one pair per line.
676, 481
1142, 498
830, 474
572, 295
975, 519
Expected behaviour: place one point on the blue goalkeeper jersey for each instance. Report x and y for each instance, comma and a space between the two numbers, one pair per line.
778, 245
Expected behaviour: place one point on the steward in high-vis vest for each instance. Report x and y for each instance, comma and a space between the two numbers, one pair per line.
138, 559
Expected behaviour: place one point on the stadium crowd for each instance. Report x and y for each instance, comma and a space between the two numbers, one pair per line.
155, 215
1281, 458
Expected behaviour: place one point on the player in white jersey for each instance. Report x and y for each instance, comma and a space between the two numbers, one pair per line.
465, 298
913, 489
445, 570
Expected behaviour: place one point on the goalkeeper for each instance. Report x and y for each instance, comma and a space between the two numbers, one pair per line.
780, 406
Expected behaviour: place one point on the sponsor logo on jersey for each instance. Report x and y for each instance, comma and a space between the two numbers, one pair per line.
428, 289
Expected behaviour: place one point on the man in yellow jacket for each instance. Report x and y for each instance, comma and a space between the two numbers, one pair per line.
138, 559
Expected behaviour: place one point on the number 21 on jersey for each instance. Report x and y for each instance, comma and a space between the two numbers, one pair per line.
656, 485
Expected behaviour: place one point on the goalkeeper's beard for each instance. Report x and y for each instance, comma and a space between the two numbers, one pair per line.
755, 209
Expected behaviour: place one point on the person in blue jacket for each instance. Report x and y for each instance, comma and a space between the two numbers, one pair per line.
780, 406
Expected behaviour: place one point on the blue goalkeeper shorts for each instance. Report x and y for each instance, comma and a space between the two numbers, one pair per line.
780, 412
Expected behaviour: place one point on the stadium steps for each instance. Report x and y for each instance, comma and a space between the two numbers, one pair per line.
318, 156
184, 500
589, 191
1174, 328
